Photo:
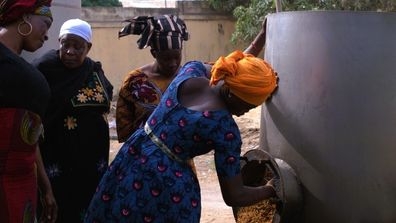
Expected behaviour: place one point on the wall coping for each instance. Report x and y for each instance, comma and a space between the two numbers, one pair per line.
188, 10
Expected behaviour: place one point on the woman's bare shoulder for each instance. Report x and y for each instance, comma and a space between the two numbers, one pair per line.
196, 94
194, 85
147, 69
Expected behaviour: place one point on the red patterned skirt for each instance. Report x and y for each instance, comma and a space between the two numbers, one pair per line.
19, 133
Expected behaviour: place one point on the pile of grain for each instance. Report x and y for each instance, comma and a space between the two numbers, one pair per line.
262, 212
257, 173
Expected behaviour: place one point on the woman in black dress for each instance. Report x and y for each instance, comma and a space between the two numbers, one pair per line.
76, 144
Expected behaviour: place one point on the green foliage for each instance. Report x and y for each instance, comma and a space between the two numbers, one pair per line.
251, 13
353, 5
103, 3
227, 5
250, 19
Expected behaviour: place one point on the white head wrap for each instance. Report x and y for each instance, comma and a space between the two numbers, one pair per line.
77, 27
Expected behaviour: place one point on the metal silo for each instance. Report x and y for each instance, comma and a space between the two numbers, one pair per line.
333, 117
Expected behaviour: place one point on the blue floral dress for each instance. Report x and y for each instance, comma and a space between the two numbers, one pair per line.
143, 184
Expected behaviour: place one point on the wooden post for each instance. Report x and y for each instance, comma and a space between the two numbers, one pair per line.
278, 5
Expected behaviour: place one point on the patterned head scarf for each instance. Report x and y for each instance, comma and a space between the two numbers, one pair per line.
12, 10
161, 33
248, 77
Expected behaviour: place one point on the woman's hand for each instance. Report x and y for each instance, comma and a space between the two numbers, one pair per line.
270, 183
50, 208
274, 184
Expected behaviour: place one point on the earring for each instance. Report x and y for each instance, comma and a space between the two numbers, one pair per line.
19, 28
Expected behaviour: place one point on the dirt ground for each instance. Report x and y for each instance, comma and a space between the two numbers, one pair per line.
214, 210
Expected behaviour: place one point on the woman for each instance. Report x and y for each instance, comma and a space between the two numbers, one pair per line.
150, 180
24, 96
143, 87
77, 144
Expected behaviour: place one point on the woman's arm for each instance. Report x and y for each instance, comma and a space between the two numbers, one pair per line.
258, 43
50, 208
254, 48
125, 116
238, 195
128, 119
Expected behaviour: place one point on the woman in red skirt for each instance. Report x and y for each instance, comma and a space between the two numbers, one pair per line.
24, 96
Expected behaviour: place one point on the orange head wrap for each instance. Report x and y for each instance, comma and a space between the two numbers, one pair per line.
248, 77
12, 10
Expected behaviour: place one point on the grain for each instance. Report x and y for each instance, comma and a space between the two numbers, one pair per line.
261, 212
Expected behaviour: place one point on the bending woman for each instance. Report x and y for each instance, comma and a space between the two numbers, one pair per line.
150, 180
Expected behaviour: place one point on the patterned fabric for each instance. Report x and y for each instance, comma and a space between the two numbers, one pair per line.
92, 94
158, 142
43, 10
138, 97
162, 32
76, 144
11, 10
143, 184
18, 141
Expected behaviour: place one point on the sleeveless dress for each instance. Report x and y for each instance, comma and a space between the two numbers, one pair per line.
144, 184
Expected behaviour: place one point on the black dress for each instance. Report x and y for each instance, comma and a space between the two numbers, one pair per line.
76, 143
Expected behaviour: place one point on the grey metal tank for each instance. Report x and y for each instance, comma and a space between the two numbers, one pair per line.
333, 117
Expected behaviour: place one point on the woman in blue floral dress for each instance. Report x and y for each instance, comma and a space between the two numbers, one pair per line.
150, 180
